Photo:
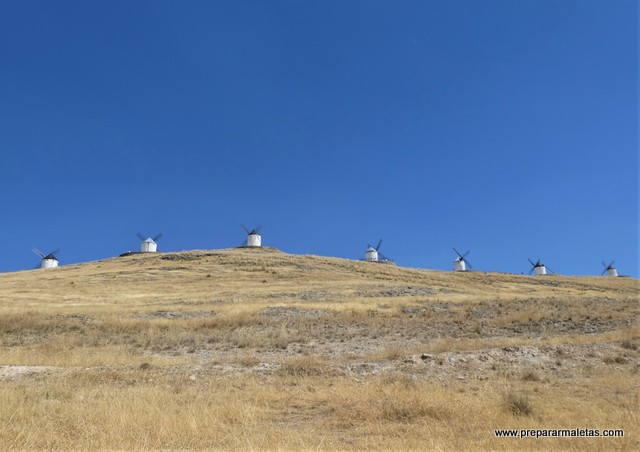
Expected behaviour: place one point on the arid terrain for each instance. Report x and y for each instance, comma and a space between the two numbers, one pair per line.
255, 349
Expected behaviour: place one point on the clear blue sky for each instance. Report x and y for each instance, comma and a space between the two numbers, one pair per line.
509, 128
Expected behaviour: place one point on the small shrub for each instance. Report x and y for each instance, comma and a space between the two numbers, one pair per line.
398, 411
518, 405
621, 360
248, 360
531, 376
392, 353
629, 345
617, 360
307, 366
399, 380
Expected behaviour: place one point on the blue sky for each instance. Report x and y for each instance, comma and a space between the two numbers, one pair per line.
506, 128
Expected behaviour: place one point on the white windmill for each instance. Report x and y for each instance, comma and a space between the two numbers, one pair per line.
373, 254
253, 237
48, 260
609, 269
539, 268
461, 263
149, 244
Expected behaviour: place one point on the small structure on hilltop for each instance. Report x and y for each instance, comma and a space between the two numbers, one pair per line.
610, 269
48, 260
373, 254
254, 238
149, 244
460, 264
539, 268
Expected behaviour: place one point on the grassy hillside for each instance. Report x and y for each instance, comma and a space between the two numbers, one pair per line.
258, 349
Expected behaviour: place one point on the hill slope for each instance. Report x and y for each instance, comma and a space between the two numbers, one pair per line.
255, 348
265, 274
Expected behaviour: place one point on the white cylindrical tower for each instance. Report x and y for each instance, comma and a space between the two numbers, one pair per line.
254, 239
540, 270
459, 265
49, 262
612, 271
371, 255
148, 246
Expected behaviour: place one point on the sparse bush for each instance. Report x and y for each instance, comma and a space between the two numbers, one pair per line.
392, 353
530, 376
405, 411
518, 405
248, 360
399, 379
306, 366
561, 352
615, 360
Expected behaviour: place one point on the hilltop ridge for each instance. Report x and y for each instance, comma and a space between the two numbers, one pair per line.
262, 274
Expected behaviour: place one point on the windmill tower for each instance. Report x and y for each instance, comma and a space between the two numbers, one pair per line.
371, 254
539, 268
48, 260
148, 245
253, 237
609, 269
461, 263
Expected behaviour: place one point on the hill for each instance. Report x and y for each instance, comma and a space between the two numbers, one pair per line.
255, 348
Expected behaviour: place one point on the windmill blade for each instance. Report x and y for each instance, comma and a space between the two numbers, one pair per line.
37, 251
548, 269
531, 262
458, 253
603, 264
257, 229
531, 271
611, 264
157, 237
604, 271
379, 243
468, 263
245, 229
54, 252
141, 237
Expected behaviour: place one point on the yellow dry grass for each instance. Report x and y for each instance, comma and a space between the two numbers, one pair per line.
254, 349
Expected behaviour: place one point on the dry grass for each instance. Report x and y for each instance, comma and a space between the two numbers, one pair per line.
257, 349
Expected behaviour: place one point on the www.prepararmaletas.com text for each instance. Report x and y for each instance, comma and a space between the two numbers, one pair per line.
560, 433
